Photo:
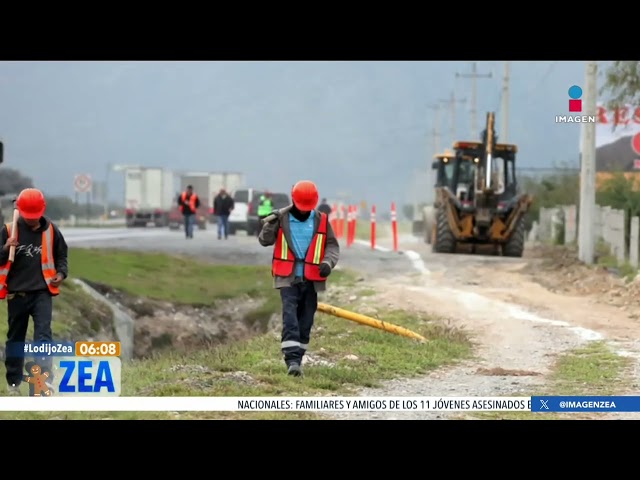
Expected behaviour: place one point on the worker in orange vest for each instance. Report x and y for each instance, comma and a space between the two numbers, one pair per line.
30, 282
305, 252
189, 204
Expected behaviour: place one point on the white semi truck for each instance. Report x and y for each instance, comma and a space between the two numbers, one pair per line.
149, 196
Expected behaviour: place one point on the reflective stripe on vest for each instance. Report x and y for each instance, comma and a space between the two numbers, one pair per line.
192, 201
284, 259
46, 258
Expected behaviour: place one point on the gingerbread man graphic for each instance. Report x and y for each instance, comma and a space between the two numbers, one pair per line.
37, 379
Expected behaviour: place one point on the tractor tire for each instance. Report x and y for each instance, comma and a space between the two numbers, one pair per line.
444, 241
514, 247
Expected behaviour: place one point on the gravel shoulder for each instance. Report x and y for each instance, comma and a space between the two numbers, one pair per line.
522, 314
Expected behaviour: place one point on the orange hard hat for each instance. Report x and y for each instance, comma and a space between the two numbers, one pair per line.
31, 204
305, 195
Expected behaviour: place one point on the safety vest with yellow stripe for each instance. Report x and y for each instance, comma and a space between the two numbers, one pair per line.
284, 259
48, 263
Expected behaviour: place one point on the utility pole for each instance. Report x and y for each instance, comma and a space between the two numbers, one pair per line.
474, 76
451, 103
586, 236
504, 131
436, 127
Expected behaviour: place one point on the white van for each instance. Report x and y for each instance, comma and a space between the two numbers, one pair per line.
239, 218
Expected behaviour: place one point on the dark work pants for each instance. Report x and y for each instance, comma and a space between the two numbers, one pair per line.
39, 306
299, 305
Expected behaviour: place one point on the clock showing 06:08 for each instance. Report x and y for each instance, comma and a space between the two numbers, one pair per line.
97, 349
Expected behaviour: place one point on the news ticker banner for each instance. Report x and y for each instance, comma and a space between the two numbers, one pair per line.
66, 369
98, 402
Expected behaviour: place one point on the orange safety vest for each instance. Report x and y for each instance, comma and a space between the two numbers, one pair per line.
284, 259
192, 201
46, 257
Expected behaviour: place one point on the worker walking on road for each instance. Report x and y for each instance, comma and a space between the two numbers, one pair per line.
305, 252
264, 209
189, 204
30, 282
223, 205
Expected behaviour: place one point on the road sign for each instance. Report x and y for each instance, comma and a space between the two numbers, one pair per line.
635, 143
82, 183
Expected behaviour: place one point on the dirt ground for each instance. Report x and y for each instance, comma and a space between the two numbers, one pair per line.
522, 313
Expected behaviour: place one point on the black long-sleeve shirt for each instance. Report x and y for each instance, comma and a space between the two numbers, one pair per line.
26, 271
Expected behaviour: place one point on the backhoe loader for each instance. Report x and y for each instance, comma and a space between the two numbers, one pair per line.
477, 200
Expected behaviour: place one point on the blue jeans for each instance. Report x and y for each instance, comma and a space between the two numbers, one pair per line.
299, 305
189, 222
223, 226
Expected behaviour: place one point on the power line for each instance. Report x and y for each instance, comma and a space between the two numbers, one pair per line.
436, 126
474, 76
542, 79
451, 102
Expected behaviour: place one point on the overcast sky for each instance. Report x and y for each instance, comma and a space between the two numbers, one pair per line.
362, 128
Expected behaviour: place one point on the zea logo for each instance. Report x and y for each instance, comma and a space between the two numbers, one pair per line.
575, 106
87, 376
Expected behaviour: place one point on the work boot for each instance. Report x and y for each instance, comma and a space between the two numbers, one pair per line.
295, 370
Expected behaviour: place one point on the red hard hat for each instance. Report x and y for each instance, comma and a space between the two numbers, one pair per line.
31, 204
305, 195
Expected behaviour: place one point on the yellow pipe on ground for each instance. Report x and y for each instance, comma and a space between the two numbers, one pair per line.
372, 322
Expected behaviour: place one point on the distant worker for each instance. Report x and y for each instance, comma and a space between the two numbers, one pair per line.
265, 207
223, 205
324, 207
30, 282
305, 252
189, 204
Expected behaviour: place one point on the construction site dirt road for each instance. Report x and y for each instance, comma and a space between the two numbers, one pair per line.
521, 312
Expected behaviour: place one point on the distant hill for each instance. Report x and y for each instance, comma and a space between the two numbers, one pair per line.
616, 156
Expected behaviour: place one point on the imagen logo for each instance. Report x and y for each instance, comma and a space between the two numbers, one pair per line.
575, 99
575, 106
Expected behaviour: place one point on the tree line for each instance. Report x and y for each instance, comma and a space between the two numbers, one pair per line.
59, 207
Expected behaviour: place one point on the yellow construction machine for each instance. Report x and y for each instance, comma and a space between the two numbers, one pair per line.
477, 199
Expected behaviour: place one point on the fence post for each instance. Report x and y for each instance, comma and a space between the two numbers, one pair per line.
634, 241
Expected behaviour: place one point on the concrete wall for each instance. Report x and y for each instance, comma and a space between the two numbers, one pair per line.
560, 225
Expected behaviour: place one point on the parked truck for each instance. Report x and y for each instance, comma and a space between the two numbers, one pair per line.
206, 185
149, 196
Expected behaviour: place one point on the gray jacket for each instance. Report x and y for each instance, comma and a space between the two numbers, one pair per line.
269, 235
